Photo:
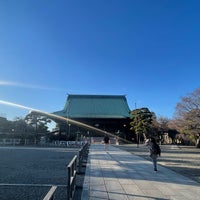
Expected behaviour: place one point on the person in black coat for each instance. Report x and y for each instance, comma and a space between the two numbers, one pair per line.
155, 151
106, 142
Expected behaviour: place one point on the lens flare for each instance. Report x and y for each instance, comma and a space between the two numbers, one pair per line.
71, 121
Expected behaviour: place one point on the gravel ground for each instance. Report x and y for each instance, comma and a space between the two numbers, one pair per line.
27, 173
184, 160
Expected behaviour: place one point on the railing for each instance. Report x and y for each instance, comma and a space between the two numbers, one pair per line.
71, 168
82, 156
50, 194
74, 168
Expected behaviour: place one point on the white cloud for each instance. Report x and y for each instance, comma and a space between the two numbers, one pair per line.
25, 85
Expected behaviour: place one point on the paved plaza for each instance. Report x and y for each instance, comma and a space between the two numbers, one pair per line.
182, 159
121, 175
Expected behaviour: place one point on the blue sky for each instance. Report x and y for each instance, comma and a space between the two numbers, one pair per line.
146, 50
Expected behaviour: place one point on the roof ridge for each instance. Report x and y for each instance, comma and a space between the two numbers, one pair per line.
107, 95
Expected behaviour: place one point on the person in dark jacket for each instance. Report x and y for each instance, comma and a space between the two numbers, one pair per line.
155, 151
106, 142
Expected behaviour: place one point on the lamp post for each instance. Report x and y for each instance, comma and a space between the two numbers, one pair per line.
69, 129
88, 133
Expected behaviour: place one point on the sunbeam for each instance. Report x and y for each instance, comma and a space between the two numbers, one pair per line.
61, 118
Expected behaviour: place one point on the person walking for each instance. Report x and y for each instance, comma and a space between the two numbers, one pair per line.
155, 151
106, 142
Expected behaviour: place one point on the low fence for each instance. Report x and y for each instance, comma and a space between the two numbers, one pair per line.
73, 168
72, 172
43, 143
82, 157
70, 143
10, 141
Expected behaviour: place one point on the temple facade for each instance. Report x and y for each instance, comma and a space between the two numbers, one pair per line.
94, 115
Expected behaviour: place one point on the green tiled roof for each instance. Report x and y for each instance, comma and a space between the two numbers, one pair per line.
95, 106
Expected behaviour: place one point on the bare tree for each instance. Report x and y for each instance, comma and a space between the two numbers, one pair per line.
188, 116
188, 103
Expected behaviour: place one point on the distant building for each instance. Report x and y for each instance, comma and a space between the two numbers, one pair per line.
109, 113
